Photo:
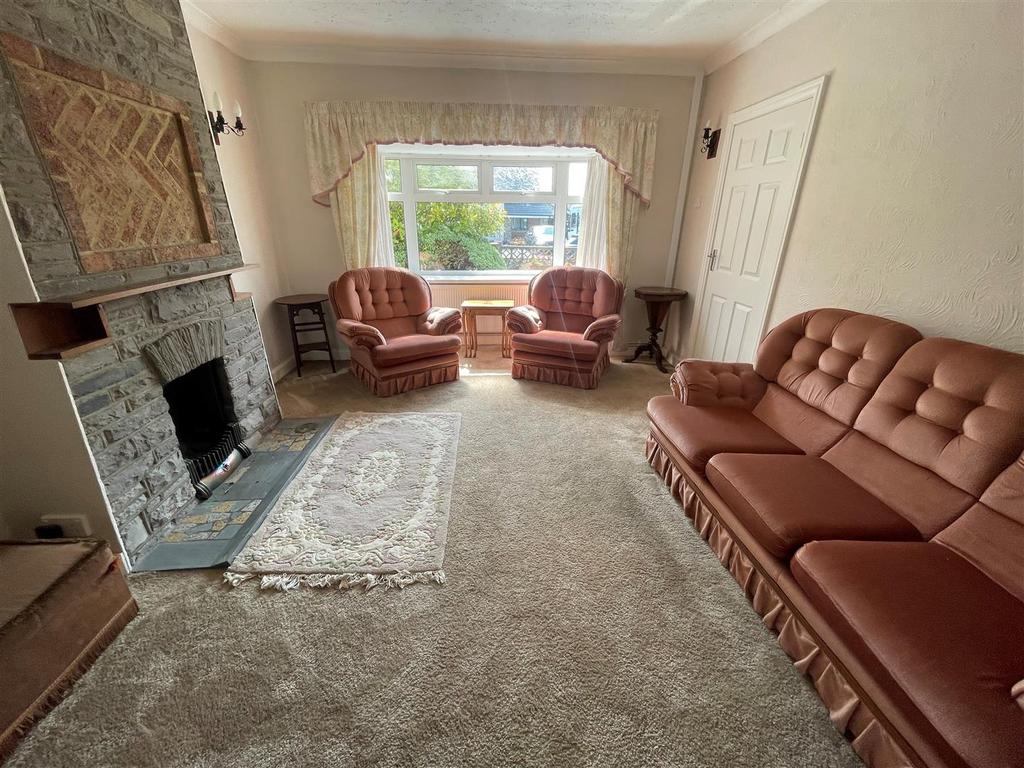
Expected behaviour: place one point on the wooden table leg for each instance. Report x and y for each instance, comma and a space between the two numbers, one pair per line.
506, 337
295, 341
470, 318
327, 338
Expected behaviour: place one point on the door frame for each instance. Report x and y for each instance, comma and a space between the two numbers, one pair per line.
812, 89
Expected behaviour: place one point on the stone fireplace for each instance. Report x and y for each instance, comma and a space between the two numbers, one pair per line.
114, 188
187, 362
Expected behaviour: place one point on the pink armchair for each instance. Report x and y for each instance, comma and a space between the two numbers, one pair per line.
398, 341
563, 335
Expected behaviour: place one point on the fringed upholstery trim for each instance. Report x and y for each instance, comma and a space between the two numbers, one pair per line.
409, 382
567, 377
367, 581
59, 688
848, 713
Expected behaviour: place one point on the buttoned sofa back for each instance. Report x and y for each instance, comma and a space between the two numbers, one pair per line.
822, 367
941, 427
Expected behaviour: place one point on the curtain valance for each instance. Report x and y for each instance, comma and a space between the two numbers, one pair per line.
338, 134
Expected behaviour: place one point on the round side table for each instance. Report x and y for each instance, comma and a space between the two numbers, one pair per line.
307, 302
658, 300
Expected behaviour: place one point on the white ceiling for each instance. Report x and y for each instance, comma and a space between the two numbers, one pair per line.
682, 30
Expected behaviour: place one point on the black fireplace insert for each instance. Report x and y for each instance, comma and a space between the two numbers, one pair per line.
204, 419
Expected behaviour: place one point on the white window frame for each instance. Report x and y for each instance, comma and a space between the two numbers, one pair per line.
484, 158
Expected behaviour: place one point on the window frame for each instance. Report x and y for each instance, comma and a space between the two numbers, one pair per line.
485, 160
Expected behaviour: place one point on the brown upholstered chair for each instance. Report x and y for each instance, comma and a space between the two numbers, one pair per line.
398, 341
563, 335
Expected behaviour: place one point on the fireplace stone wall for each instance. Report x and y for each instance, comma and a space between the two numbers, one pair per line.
127, 422
117, 395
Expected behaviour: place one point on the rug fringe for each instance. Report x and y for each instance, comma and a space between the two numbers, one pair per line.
285, 582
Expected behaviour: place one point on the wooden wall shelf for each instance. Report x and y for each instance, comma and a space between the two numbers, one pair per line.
65, 327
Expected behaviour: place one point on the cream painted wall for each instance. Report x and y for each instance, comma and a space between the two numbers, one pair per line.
241, 161
911, 203
304, 231
45, 464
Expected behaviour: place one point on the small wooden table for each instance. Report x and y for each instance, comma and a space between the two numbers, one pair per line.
307, 302
659, 300
471, 308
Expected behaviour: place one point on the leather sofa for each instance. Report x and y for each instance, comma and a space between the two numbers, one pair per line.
398, 341
562, 336
865, 487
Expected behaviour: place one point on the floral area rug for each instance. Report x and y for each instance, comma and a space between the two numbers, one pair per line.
370, 508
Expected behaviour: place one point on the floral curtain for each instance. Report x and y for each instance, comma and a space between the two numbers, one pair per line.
359, 206
593, 248
606, 232
341, 140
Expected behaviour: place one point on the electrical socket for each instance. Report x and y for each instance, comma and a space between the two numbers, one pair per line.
74, 526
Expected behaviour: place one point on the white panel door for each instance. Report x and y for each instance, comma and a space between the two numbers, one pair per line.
765, 149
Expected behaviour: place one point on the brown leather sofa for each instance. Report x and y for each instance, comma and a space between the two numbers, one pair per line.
398, 341
563, 335
866, 489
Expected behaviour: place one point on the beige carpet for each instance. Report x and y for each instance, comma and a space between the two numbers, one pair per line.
584, 623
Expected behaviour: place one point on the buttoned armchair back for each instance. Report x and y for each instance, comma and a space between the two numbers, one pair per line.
573, 297
562, 336
397, 340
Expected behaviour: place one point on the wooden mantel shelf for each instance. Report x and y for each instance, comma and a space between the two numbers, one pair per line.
68, 326
101, 297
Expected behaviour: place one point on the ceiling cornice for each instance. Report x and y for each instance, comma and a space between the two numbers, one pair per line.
531, 61
753, 37
197, 18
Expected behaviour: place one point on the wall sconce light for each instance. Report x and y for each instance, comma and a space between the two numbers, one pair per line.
219, 125
709, 141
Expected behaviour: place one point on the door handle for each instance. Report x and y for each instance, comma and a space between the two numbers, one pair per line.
712, 257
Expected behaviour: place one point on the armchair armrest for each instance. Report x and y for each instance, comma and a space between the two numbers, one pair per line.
603, 329
360, 334
439, 321
704, 382
525, 319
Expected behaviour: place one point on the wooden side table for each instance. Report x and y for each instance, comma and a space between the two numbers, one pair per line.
658, 300
307, 302
471, 308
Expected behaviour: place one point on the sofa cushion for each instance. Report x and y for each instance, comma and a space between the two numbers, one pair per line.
942, 637
809, 429
955, 408
556, 344
833, 359
919, 495
698, 433
991, 534
787, 501
404, 349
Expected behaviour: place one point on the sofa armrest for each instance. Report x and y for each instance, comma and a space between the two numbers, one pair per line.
360, 334
603, 329
705, 382
439, 321
525, 319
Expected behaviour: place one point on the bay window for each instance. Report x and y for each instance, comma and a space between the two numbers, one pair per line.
476, 211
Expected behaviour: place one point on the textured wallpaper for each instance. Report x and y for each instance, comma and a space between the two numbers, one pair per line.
911, 203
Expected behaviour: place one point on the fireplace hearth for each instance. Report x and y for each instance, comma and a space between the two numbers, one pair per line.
204, 420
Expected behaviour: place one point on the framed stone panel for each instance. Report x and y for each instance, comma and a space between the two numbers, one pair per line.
122, 158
